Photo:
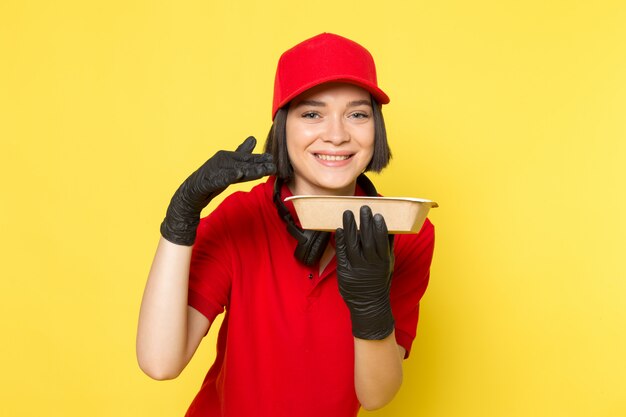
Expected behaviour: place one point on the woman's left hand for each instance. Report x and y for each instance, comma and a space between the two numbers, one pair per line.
364, 267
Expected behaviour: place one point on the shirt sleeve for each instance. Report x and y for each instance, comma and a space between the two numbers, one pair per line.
410, 277
210, 274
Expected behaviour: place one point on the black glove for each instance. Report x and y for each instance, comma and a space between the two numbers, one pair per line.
223, 169
364, 267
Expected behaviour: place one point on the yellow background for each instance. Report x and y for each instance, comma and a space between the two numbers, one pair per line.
510, 114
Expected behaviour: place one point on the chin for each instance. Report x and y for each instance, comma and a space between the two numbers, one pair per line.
335, 186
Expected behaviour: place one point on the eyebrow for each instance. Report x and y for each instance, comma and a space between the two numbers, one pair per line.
313, 103
316, 103
363, 102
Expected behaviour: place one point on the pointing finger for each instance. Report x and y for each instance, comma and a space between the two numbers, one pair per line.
248, 145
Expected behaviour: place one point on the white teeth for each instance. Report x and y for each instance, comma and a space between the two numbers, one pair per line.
332, 157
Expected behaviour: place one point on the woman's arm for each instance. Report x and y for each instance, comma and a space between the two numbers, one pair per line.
169, 331
377, 371
365, 262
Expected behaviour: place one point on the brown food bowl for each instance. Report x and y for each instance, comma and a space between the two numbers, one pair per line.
402, 215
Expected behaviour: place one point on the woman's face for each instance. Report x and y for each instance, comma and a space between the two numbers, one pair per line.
330, 138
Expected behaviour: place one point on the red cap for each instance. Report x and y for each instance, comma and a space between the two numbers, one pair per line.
320, 59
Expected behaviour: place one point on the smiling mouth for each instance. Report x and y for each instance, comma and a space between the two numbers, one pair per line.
332, 157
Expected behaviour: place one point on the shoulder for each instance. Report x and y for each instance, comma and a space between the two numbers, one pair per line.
423, 240
241, 209
233, 225
239, 202
256, 195
415, 250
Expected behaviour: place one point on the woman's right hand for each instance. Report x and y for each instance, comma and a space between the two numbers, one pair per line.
223, 169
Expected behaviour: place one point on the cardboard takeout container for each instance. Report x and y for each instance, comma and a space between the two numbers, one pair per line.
402, 215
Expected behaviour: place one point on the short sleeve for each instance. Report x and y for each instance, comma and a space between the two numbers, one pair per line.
410, 278
210, 274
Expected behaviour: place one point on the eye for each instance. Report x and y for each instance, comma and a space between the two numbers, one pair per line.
359, 115
310, 115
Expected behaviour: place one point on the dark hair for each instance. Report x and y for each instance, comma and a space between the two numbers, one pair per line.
276, 143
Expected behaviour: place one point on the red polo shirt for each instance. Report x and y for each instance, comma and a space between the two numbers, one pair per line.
285, 347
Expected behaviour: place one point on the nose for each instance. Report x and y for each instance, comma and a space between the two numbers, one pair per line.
336, 131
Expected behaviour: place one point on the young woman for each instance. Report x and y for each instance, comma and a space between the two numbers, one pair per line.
317, 324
